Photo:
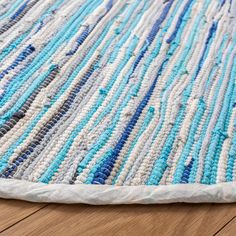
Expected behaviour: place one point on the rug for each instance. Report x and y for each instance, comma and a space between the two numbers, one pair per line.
118, 101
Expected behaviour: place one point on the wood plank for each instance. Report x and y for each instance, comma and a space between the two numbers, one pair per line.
229, 229
12, 211
175, 219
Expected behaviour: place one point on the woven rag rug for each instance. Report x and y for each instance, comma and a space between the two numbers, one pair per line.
118, 101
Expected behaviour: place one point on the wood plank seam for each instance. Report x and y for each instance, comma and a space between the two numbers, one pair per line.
24, 218
218, 231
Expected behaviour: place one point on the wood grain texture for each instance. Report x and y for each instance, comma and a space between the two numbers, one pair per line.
12, 211
175, 219
229, 229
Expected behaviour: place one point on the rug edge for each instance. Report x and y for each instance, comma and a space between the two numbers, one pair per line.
105, 194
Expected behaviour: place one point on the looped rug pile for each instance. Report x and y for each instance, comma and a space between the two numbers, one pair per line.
118, 101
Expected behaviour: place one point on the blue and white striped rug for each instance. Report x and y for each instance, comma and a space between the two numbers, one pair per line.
118, 101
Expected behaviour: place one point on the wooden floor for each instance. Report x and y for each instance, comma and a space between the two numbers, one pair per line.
24, 218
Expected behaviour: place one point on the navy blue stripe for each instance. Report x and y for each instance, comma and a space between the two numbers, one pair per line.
61, 112
186, 173
179, 22
153, 33
210, 35
19, 11
100, 175
21, 57
87, 31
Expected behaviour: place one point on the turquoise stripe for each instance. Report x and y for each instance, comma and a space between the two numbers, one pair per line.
6, 51
196, 147
67, 31
62, 90
221, 128
161, 164
135, 91
100, 100
11, 10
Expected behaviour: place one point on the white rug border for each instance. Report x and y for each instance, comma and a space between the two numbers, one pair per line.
106, 194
